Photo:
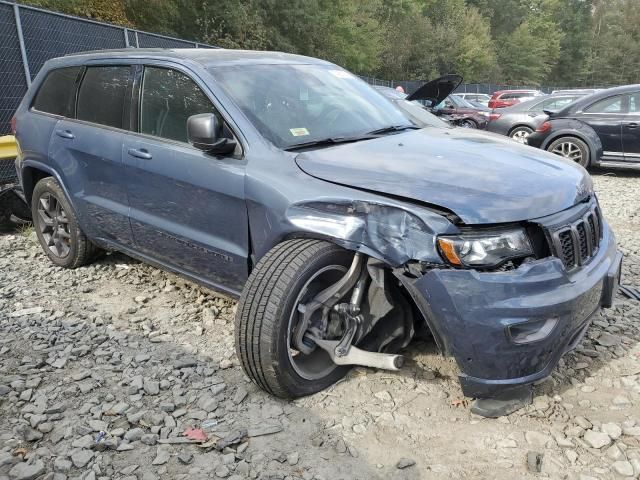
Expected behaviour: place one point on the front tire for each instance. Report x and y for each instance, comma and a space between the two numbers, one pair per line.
288, 275
467, 123
571, 148
57, 227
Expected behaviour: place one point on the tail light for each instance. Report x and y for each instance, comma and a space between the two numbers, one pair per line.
13, 125
545, 127
494, 116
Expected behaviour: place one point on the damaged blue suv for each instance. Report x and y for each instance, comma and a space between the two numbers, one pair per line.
344, 227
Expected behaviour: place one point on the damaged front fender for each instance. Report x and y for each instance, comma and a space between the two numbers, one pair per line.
389, 233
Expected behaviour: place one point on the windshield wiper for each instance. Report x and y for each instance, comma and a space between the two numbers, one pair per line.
393, 128
327, 141
336, 140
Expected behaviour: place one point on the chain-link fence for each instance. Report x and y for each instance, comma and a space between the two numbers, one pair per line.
30, 36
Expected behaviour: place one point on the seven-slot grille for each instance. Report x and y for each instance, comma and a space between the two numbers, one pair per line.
576, 243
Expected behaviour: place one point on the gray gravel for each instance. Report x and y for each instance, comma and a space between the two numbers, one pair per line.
103, 369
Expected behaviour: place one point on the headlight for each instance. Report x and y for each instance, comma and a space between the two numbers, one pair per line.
483, 113
484, 249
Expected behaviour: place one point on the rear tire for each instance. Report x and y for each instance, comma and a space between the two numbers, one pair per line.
269, 302
571, 148
57, 227
520, 134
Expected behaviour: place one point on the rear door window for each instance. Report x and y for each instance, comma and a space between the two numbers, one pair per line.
57, 92
102, 95
169, 98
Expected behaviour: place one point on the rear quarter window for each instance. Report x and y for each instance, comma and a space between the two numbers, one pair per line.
57, 92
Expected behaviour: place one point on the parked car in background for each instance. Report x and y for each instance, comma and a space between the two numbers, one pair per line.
602, 129
468, 115
415, 111
520, 120
342, 225
506, 98
481, 98
432, 98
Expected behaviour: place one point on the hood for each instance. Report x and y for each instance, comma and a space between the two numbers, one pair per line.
437, 90
482, 179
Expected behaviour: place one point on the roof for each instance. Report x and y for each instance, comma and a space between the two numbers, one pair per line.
208, 57
589, 99
517, 90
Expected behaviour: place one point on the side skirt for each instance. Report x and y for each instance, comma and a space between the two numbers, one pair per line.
110, 245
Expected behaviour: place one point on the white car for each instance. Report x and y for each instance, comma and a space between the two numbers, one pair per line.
481, 98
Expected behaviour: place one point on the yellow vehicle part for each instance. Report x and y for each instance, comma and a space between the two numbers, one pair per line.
8, 147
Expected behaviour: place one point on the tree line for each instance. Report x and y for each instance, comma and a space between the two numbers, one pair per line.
518, 42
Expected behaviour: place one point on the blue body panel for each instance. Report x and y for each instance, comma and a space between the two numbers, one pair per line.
212, 218
471, 312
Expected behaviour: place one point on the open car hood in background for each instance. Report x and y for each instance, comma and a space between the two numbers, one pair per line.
437, 90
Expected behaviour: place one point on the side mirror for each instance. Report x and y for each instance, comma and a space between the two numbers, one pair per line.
204, 133
549, 112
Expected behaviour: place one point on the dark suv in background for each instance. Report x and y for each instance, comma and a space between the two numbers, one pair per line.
602, 129
343, 226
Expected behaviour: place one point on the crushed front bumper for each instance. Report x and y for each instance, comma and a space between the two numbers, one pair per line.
509, 329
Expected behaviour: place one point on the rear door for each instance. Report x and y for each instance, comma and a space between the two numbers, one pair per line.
88, 151
187, 207
606, 116
631, 129
54, 100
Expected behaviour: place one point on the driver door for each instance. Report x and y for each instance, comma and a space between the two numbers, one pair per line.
187, 207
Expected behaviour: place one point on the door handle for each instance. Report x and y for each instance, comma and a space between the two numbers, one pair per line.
142, 153
65, 134
633, 125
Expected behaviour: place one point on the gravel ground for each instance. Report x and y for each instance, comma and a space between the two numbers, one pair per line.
103, 369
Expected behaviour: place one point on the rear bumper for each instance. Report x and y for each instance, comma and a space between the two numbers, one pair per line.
475, 316
538, 140
498, 127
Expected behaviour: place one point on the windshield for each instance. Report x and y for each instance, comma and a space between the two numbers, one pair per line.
419, 115
292, 104
457, 101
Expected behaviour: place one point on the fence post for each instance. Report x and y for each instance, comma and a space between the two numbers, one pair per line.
137, 43
126, 37
23, 50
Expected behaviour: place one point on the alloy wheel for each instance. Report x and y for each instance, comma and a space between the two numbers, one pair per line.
53, 224
568, 150
521, 136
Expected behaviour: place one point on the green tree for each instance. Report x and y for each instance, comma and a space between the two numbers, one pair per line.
615, 52
112, 11
475, 57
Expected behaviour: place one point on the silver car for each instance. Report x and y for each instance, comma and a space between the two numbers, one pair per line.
481, 98
520, 120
